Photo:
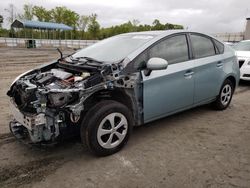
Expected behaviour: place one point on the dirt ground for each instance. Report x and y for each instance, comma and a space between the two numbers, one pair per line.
196, 148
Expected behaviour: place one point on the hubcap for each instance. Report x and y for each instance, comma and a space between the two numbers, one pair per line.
112, 130
226, 94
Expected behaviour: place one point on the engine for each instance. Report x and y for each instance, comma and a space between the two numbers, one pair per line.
25, 95
56, 79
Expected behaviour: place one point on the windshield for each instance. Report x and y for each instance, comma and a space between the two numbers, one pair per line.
115, 48
242, 46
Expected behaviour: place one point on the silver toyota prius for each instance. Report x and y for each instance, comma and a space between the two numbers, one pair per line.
102, 91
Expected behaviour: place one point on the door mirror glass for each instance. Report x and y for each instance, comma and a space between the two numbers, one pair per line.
156, 63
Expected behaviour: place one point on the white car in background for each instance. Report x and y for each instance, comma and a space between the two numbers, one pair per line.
243, 53
229, 43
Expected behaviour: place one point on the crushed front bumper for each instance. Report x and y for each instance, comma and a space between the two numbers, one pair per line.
27, 120
37, 128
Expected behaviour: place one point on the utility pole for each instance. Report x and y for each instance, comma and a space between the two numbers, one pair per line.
11, 12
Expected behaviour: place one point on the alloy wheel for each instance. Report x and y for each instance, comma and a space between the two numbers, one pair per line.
226, 94
112, 130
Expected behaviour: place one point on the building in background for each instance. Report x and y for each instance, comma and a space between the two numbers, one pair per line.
247, 30
235, 37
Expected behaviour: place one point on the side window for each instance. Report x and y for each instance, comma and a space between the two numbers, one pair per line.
173, 49
202, 46
219, 46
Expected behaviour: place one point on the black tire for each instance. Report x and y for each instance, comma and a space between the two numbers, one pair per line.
219, 103
93, 120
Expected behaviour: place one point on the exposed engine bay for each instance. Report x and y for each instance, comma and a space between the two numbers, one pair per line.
50, 99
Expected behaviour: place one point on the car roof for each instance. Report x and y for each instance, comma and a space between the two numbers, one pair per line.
157, 32
163, 33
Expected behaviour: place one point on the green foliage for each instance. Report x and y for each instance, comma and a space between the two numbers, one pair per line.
42, 14
84, 26
157, 25
134, 26
4, 32
28, 12
83, 21
65, 15
94, 26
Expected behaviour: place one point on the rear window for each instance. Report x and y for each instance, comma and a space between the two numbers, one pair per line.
202, 46
219, 47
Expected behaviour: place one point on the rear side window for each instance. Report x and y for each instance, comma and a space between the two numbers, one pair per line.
219, 47
202, 46
173, 49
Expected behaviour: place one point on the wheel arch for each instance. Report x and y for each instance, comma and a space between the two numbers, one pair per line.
124, 96
232, 79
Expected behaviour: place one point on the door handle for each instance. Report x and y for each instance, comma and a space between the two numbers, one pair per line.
188, 74
219, 64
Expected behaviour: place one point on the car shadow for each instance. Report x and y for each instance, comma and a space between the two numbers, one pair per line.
72, 147
168, 122
244, 83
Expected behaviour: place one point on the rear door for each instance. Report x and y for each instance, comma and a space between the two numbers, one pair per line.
208, 67
170, 90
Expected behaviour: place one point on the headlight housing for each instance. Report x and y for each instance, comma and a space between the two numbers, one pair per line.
17, 78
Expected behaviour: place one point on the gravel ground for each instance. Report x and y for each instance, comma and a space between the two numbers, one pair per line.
195, 148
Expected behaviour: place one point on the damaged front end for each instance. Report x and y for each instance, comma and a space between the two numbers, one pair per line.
48, 101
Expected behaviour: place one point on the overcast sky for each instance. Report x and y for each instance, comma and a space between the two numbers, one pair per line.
210, 16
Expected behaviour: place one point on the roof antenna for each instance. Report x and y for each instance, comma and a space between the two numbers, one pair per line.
60, 52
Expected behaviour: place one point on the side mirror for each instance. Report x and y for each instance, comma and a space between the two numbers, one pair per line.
156, 63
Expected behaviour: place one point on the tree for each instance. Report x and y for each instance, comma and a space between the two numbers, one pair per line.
71, 18
42, 14
64, 15
83, 23
28, 12
1, 21
94, 26
11, 11
178, 27
158, 26
57, 14
84, 26
156, 22
135, 23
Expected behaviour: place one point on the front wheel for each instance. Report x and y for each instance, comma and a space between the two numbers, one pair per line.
225, 96
106, 128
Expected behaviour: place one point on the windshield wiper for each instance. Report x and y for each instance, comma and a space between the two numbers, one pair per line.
86, 58
60, 52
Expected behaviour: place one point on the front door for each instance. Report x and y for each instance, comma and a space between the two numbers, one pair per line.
167, 91
170, 90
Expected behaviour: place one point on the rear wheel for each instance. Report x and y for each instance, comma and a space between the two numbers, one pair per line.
225, 96
106, 128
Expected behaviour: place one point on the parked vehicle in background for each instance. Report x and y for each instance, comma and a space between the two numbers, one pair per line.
243, 54
229, 43
123, 81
